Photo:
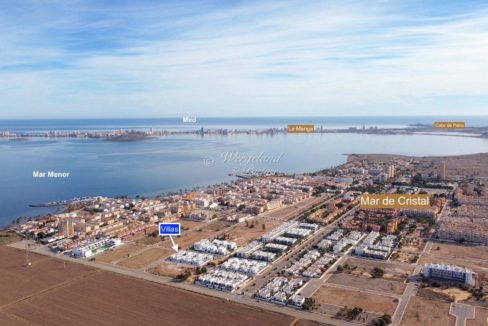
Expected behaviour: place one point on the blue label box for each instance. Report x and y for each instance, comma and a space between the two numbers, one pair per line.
169, 229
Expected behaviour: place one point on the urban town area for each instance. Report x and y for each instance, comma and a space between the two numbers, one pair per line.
300, 244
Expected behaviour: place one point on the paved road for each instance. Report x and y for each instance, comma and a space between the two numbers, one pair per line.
293, 255
413, 285
283, 262
461, 312
314, 285
410, 290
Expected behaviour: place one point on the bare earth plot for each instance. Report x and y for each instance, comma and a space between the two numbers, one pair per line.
17, 282
481, 318
80, 295
304, 322
169, 270
111, 299
375, 284
8, 236
478, 252
242, 234
145, 258
147, 240
392, 271
414, 247
404, 257
368, 302
119, 253
284, 213
6, 320
187, 224
455, 294
422, 311
217, 226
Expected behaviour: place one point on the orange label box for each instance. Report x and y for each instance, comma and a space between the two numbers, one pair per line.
377, 201
301, 129
449, 125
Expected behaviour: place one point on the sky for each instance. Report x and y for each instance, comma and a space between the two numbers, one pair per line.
121, 59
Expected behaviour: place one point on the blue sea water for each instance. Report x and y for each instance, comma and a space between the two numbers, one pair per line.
159, 165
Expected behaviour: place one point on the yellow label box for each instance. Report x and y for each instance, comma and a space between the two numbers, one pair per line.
299, 129
415, 201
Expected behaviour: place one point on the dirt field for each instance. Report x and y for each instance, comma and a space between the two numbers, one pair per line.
6, 320
404, 257
413, 245
243, 234
217, 226
480, 319
455, 294
421, 311
145, 258
119, 253
169, 270
79, 295
392, 271
113, 300
187, 224
410, 248
8, 236
285, 213
369, 302
17, 282
147, 241
375, 284
304, 322
477, 252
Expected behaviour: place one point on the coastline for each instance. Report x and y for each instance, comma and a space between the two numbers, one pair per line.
132, 136
129, 135
350, 157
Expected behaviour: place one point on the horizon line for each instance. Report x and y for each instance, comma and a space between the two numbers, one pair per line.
247, 117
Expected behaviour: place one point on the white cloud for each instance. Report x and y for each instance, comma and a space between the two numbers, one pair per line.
323, 58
